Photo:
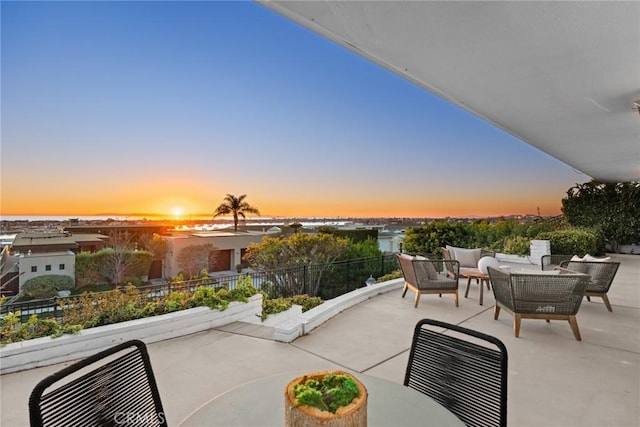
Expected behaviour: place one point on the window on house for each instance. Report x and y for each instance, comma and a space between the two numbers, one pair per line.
34, 268
61, 267
47, 267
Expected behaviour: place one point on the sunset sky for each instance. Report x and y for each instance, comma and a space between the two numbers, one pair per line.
159, 107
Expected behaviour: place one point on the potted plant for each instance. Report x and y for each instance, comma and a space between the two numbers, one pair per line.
325, 398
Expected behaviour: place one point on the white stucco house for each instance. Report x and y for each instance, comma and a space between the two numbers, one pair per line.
231, 247
41, 263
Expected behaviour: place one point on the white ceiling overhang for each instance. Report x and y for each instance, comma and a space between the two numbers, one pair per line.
561, 76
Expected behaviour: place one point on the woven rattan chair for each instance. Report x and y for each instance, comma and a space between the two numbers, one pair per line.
464, 370
111, 388
602, 274
549, 262
539, 296
425, 276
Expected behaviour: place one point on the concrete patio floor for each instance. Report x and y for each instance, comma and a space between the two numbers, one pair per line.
554, 380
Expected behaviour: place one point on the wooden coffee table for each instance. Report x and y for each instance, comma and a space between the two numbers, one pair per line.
481, 279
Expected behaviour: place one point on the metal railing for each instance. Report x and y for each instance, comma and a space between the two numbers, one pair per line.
324, 280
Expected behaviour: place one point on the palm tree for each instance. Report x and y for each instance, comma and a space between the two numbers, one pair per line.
236, 206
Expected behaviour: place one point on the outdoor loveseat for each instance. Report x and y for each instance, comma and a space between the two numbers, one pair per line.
550, 296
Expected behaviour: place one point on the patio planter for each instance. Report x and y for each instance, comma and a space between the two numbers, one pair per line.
48, 351
353, 414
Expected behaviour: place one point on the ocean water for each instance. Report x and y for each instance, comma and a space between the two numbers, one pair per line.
67, 217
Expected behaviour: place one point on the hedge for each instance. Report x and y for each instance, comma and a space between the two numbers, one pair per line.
574, 241
46, 286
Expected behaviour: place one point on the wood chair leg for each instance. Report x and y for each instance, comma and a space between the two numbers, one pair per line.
516, 324
417, 299
574, 327
605, 298
496, 312
404, 291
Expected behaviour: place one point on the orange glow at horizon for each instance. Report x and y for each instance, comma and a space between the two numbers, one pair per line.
198, 202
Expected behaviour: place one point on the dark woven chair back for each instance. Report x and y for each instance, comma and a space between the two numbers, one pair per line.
549, 262
115, 387
463, 370
602, 273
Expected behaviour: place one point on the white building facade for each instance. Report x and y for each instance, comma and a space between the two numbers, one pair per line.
230, 247
38, 264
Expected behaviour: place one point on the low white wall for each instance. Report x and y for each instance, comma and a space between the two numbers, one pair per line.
48, 351
517, 259
275, 319
309, 320
287, 327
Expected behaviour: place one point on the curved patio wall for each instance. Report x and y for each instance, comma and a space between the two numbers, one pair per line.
295, 327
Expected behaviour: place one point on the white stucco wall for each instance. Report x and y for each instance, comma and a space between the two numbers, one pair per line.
40, 261
221, 240
390, 242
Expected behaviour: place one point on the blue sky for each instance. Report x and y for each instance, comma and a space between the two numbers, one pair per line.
150, 107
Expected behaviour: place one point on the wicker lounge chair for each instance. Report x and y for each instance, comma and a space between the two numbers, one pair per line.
549, 262
425, 276
120, 389
539, 296
463, 370
602, 274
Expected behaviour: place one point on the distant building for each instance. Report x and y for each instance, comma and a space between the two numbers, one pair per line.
38, 254
40, 263
390, 241
134, 230
56, 242
231, 248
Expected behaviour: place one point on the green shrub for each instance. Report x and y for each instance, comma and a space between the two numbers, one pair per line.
175, 301
93, 268
431, 237
140, 265
208, 297
47, 286
102, 308
397, 274
573, 241
120, 305
275, 305
517, 245
362, 248
613, 208
87, 270
11, 330
306, 301
134, 281
278, 305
